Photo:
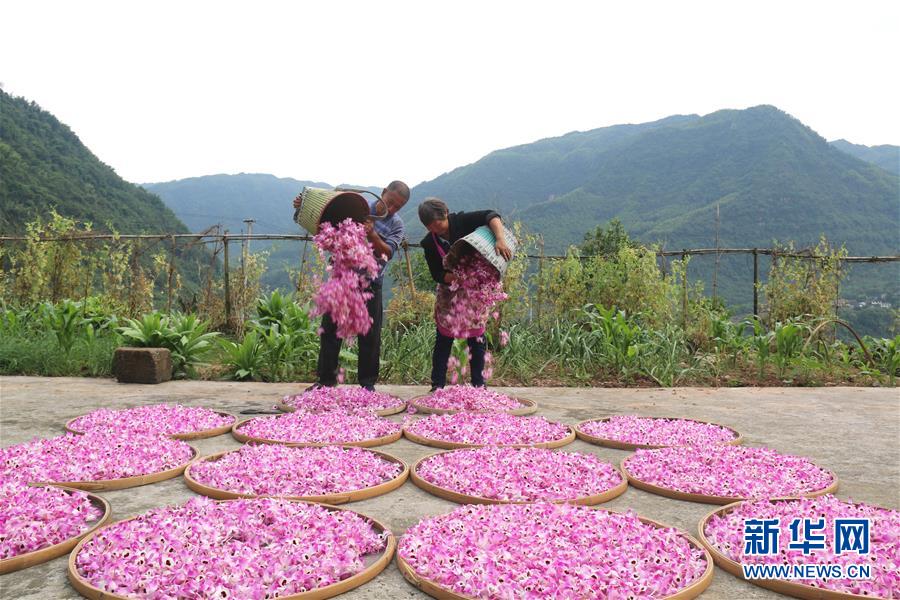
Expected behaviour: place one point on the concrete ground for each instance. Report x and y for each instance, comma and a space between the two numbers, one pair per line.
855, 432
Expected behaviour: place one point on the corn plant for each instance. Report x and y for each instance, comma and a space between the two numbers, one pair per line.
188, 342
66, 321
760, 341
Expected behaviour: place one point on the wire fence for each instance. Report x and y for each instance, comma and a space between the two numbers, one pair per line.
221, 242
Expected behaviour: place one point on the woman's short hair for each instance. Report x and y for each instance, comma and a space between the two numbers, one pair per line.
431, 210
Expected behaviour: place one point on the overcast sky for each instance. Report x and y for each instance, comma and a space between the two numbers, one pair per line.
367, 92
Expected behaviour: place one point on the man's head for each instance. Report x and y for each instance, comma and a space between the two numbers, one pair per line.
433, 213
394, 197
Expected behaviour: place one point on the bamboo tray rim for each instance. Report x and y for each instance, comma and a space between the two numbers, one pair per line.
459, 497
106, 485
611, 443
190, 435
335, 498
83, 587
435, 590
42, 555
782, 586
711, 499
529, 407
367, 443
384, 412
459, 445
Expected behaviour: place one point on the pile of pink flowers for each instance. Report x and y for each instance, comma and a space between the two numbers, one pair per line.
342, 399
520, 474
488, 429
32, 518
726, 533
654, 431
550, 551
467, 397
728, 471
287, 471
319, 428
352, 267
477, 289
168, 419
95, 456
260, 548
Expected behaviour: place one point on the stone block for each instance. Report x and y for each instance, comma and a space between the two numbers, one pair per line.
142, 365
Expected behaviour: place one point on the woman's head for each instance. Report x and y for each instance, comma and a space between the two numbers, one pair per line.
433, 213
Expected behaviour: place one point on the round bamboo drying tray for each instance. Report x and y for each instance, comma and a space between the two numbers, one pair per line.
781, 586
42, 555
191, 435
435, 590
610, 443
106, 485
83, 587
380, 441
461, 498
337, 498
457, 445
384, 412
706, 498
529, 407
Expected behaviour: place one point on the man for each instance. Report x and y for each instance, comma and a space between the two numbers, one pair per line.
385, 231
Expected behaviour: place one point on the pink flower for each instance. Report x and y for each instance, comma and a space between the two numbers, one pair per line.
168, 419
352, 268
274, 470
488, 429
469, 398
260, 548
520, 474
657, 431
534, 551
477, 288
319, 428
342, 399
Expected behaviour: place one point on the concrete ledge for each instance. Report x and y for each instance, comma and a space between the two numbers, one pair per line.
142, 365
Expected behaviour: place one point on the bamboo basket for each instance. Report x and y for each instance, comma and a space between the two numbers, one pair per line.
106, 485
435, 590
191, 435
380, 441
482, 241
705, 498
460, 498
529, 407
456, 445
337, 498
83, 587
42, 555
332, 206
781, 586
610, 443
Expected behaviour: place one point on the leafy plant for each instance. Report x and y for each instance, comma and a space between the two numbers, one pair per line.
245, 360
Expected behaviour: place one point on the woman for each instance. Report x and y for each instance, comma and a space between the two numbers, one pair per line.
444, 228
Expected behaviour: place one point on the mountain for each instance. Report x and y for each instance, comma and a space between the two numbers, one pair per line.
771, 177
885, 156
44, 164
202, 202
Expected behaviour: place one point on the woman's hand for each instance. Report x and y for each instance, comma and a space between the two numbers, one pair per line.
502, 249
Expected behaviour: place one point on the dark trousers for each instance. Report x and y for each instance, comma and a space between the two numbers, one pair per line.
443, 345
369, 349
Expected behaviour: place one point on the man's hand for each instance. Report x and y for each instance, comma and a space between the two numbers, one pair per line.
297, 201
369, 226
449, 277
502, 249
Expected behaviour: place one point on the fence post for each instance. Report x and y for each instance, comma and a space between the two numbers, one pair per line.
684, 290
755, 283
171, 279
540, 295
227, 282
412, 285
